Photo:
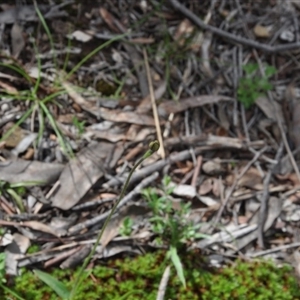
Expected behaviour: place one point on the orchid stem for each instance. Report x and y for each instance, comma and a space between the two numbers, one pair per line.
153, 147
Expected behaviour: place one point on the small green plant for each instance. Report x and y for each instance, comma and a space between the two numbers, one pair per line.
252, 84
126, 227
32, 92
2, 268
172, 226
79, 125
15, 191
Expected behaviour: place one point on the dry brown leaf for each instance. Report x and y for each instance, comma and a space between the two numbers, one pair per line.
108, 114
8, 88
168, 107
15, 137
83, 172
126, 117
108, 19
268, 108
138, 134
183, 31
145, 105
111, 230
17, 39
24, 171
262, 31
290, 176
39, 226
76, 96
213, 167
252, 179
206, 187
142, 41
217, 187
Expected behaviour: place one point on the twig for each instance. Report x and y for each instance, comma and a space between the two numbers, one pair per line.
197, 171
265, 199
91, 222
273, 250
92, 203
154, 167
219, 214
231, 37
161, 150
278, 119
163, 284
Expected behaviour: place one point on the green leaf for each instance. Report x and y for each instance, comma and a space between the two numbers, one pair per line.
270, 71
56, 285
250, 68
172, 253
8, 290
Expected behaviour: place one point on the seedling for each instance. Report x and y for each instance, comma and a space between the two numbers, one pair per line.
79, 125
126, 228
252, 85
172, 227
16, 191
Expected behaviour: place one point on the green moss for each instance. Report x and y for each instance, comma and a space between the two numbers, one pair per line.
139, 277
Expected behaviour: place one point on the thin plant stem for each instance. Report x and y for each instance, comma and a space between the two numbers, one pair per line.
8, 290
153, 147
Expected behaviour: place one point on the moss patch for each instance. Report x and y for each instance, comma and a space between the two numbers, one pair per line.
139, 277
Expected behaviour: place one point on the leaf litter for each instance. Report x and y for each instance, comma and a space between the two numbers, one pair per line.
71, 133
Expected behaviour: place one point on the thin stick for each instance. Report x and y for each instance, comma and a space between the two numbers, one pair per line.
163, 284
154, 107
279, 121
229, 36
265, 199
231, 190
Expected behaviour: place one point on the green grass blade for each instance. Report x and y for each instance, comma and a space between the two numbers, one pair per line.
9, 291
56, 285
18, 70
92, 53
46, 28
17, 198
65, 146
19, 122
177, 264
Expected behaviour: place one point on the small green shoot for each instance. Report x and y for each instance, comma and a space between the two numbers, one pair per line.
126, 227
15, 193
252, 85
2, 268
171, 226
80, 125
55, 284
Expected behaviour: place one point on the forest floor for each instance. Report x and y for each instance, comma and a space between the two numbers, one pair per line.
84, 88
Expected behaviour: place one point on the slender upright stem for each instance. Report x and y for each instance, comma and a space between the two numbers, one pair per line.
153, 147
